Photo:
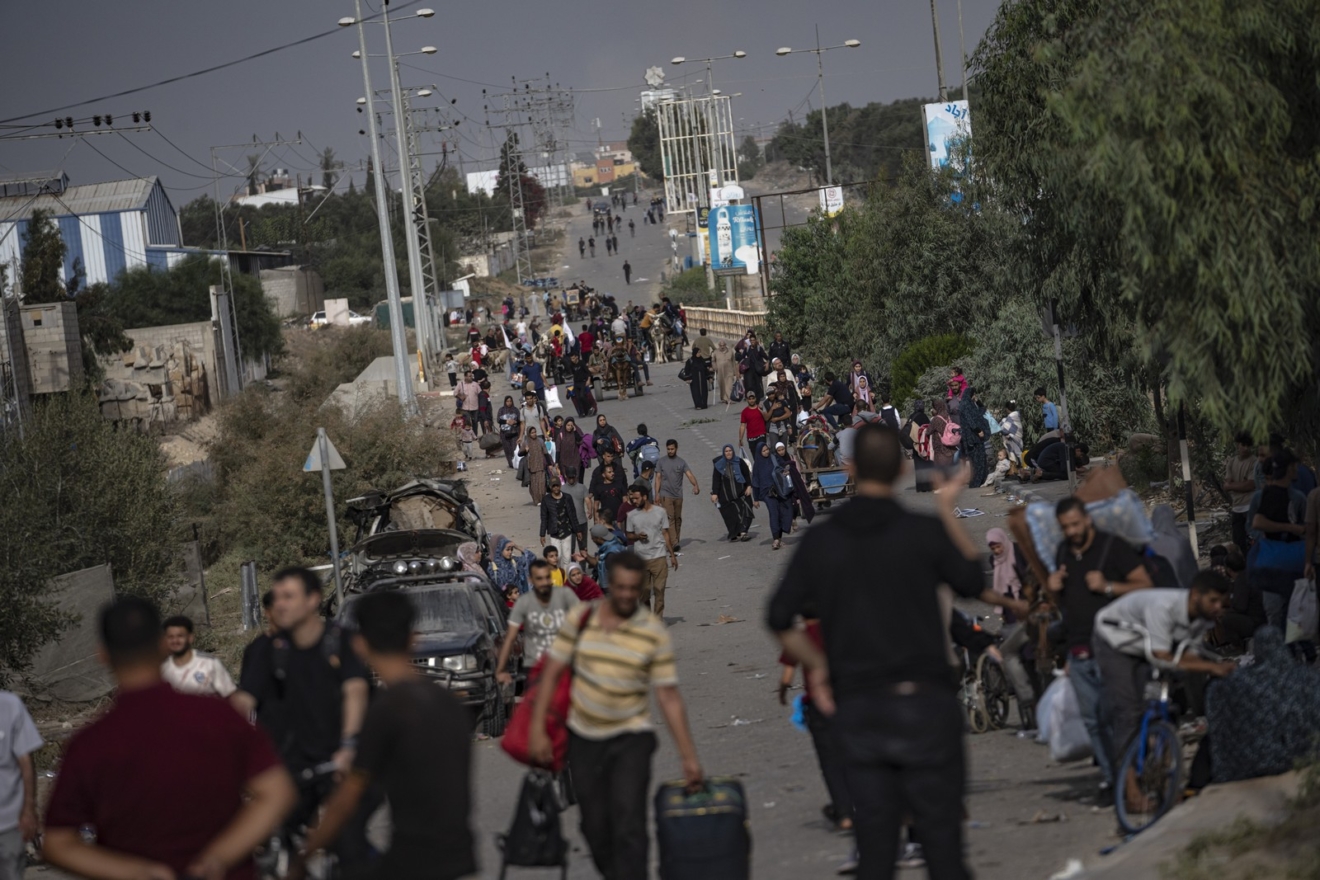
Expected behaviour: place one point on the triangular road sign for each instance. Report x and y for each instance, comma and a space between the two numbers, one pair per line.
313, 462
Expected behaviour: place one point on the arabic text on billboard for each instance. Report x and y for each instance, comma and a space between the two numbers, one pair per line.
947, 125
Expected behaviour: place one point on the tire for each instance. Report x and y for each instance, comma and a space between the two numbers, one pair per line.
995, 691
496, 717
1159, 779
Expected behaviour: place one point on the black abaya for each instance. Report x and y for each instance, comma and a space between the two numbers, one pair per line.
700, 382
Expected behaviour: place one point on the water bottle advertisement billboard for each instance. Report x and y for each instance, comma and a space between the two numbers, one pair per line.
733, 239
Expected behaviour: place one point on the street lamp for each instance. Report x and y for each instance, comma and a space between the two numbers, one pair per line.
398, 338
820, 77
421, 310
739, 53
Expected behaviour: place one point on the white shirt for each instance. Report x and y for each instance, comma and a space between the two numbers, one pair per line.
1161, 612
203, 674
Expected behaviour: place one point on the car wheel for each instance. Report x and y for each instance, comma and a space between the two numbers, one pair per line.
496, 718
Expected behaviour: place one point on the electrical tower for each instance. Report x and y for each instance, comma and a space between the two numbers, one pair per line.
534, 117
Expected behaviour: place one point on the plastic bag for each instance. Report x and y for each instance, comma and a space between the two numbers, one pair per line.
535, 838
1123, 515
1043, 710
1302, 612
552, 398
1069, 740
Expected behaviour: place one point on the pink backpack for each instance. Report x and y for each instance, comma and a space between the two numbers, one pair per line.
952, 433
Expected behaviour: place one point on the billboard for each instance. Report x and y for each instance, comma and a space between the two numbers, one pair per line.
733, 239
831, 200
947, 125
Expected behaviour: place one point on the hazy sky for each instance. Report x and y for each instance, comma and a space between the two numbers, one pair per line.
61, 52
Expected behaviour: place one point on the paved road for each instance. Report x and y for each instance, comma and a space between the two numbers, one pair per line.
729, 672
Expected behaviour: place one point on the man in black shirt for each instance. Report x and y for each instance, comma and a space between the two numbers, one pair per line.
1093, 567
415, 743
838, 401
885, 675
309, 692
606, 494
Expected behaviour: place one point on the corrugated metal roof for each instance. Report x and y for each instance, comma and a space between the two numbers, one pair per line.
91, 198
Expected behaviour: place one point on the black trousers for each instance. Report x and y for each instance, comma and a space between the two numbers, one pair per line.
1123, 688
1239, 523
904, 757
830, 756
612, 778
737, 516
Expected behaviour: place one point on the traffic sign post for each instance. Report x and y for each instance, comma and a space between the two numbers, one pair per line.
325, 458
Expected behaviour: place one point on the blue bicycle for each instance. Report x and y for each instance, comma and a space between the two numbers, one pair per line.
1148, 782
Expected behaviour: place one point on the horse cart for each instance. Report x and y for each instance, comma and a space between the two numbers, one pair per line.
826, 480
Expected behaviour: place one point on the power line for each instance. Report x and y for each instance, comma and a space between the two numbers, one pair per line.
196, 73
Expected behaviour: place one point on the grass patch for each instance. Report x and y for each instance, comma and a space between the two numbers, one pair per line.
690, 422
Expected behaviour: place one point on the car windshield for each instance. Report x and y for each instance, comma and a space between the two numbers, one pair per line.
439, 609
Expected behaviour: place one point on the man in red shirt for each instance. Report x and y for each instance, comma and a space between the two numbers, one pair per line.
752, 428
586, 341
123, 775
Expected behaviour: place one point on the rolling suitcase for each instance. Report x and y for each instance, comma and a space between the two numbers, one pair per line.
703, 836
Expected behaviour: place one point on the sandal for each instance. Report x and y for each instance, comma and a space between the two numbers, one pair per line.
775, 545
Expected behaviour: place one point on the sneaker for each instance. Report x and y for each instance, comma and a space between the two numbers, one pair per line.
849, 865
1104, 797
911, 856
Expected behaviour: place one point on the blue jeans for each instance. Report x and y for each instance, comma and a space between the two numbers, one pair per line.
1085, 676
833, 411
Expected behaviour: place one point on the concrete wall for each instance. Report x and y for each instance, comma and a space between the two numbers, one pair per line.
13, 353
293, 291
171, 373
54, 346
488, 265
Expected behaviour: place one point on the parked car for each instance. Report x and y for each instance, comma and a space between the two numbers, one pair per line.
461, 622
319, 319
421, 504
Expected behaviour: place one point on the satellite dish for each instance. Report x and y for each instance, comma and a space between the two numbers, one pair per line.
655, 77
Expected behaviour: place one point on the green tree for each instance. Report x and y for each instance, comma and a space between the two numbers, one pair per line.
79, 492
145, 297
749, 158
534, 201
644, 143
43, 259
1164, 157
331, 168
944, 350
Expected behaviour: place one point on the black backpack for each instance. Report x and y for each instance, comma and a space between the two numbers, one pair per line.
535, 840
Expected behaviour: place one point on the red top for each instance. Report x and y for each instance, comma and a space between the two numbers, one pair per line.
754, 419
588, 590
813, 633
160, 775
587, 340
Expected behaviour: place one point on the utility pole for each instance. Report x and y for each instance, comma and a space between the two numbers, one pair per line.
409, 205
398, 335
939, 55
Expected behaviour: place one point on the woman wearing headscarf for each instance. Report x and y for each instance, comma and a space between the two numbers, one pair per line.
1010, 570
569, 451
583, 585
538, 463
1173, 546
920, 465
971, 418
606, 437
943, 455
773, 484
731, 492
855, 377
863, 396
510, 425
726, 369
509, 565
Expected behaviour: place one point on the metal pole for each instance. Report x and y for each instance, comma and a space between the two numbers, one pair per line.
824, 109
411, 241
323, 445
398, 335
939, 56
1188, 492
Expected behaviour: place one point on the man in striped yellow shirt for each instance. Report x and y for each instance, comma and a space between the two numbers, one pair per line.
621, 652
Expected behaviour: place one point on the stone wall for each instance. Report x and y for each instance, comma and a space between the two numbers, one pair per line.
54, 346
